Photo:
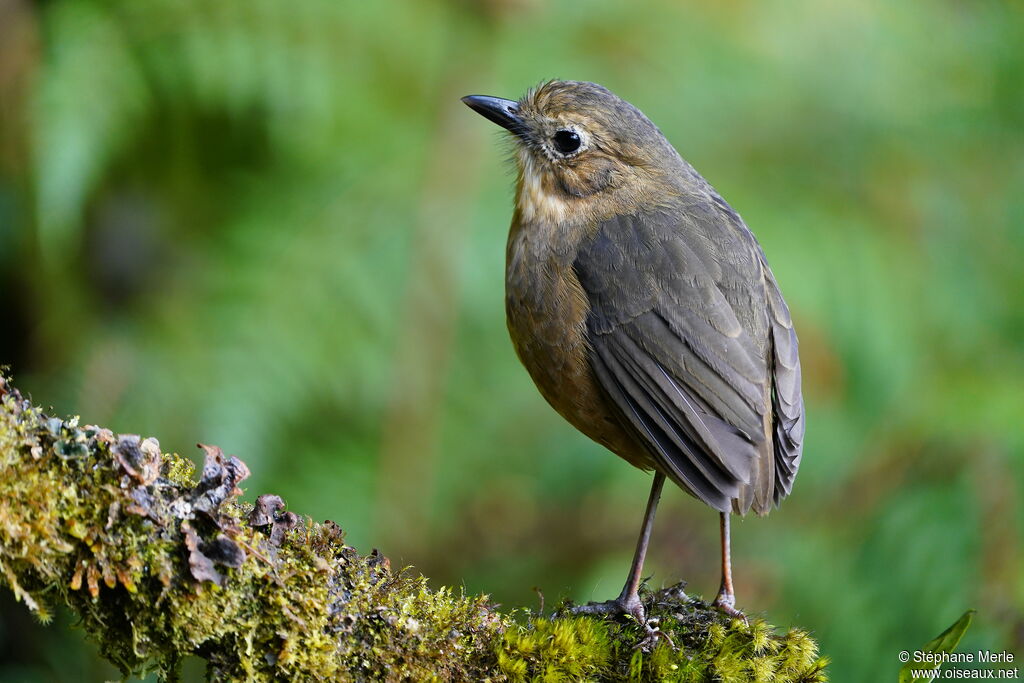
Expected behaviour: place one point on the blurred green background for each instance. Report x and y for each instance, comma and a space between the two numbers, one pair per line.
272, 226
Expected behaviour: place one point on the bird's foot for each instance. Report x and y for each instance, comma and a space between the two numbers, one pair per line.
726, 603
631, 606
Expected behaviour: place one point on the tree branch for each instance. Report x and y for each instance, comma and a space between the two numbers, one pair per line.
160, 565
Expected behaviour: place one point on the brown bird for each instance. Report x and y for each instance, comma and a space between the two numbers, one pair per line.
645, 310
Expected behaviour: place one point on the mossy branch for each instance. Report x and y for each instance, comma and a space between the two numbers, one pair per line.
159, 565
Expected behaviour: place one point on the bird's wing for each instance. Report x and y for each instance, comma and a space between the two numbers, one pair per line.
677, 306
787, 397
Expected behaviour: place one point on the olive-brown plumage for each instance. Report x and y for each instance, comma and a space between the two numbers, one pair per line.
644, 309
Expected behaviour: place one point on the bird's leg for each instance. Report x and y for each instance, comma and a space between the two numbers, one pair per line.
726, 600
630, 596
628, 601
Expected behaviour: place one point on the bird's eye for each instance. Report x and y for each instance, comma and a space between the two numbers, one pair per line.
566, 141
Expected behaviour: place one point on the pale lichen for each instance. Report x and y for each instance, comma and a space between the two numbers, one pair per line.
160, 565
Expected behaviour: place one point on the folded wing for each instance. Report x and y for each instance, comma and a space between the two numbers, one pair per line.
680, 333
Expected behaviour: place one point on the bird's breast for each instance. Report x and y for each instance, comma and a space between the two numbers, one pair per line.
547, 312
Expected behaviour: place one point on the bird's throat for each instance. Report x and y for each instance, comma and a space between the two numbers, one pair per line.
537, 198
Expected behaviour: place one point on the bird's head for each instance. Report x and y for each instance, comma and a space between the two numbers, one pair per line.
581, 149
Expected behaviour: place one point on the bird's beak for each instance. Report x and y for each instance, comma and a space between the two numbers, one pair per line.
505, 113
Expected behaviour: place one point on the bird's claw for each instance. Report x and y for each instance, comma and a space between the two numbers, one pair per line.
632, 607
726, 603
653, 634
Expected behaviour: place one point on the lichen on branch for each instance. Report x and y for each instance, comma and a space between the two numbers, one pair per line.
160, 564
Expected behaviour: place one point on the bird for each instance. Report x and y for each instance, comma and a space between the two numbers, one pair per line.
645, 312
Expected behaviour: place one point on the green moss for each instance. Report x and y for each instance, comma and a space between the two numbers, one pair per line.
160, 565
707, 647
567, 649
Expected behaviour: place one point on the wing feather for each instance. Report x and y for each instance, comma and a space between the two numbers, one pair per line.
787, 398
672, 354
